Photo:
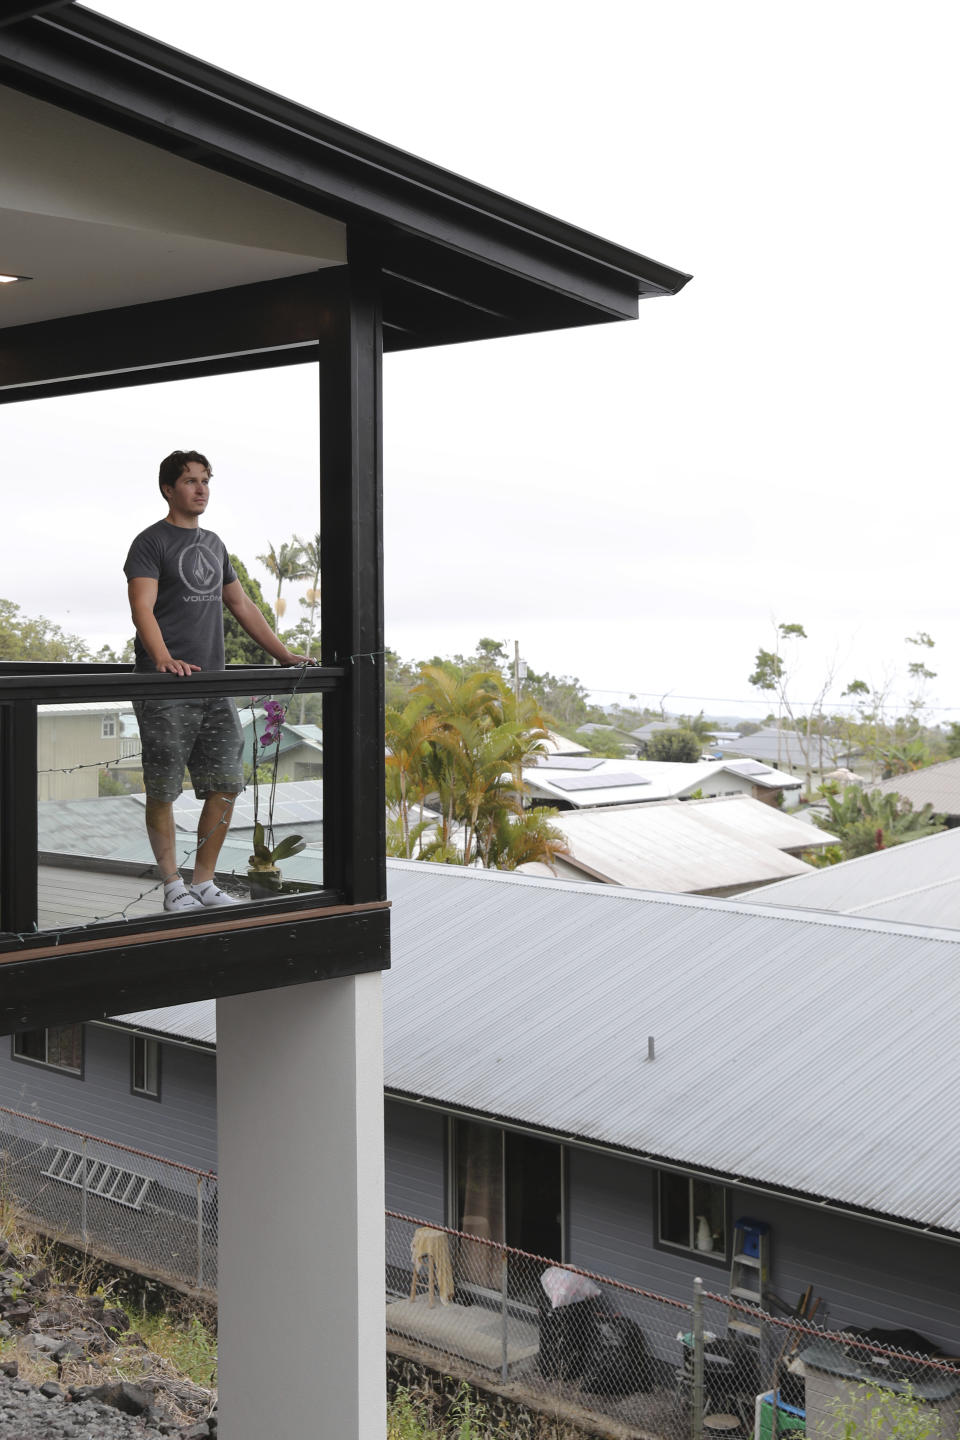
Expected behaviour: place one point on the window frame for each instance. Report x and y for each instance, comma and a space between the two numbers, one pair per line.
147, 1040
108, 727
672, 1247
47, 1064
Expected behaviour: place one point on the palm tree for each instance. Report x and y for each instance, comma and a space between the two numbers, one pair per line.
523, 839
310, 557
310, 554
408, 735
287, 563
483, 738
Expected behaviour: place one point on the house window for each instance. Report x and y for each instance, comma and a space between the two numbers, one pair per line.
108, 727
692, 1215
145, 1066
59, 1046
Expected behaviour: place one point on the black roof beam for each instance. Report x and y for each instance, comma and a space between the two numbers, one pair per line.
273, 322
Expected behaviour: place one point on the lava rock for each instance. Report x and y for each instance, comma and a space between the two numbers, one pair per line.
69, 1350
51, 1389
130, 1399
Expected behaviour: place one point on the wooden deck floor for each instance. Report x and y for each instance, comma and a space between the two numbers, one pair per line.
70, 896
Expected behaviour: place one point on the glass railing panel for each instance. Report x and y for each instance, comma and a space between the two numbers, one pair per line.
99, 838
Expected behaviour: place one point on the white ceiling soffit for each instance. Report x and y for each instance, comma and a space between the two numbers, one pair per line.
98, 220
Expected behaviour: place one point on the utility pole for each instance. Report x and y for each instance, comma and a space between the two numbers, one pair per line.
516, 672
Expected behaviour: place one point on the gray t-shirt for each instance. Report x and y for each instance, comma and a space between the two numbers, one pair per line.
191, 568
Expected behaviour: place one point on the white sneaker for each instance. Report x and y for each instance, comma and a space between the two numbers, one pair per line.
209, 894
176, 896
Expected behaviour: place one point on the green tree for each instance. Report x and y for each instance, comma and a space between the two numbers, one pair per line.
682, 745
865, 821
37, 638
953, 739
239, 649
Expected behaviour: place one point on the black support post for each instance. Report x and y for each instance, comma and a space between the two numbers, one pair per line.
18, 817
351, 525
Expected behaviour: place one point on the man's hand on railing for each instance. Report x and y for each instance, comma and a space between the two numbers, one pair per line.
175, 667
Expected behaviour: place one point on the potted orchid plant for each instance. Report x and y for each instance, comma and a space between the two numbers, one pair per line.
263, 871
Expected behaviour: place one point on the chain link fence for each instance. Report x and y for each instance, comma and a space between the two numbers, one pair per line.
123, 1205
556, 1336
553, 1333
747, 1371
710, 1367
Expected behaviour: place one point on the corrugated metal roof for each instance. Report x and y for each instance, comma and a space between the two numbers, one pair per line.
936, 785
918, 883
784, 748
687, 846
89, 707
810, 1052
195, 1021
660, 779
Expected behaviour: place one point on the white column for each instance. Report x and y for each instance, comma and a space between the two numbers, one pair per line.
301, 1239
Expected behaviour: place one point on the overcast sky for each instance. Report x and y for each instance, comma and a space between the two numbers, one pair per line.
635, 503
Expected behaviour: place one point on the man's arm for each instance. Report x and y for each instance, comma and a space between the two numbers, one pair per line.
142, 591
244, 611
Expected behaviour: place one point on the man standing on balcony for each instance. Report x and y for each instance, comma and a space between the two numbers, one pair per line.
179, 577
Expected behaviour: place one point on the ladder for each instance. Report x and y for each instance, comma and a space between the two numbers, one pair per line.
97, 1177
749, 1272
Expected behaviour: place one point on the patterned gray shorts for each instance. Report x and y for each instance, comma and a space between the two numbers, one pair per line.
202, 736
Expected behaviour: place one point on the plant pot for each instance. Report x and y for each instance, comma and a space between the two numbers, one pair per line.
265, 883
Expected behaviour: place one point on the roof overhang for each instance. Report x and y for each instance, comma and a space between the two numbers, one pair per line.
458, 262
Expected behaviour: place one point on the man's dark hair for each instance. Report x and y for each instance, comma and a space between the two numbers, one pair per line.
174, 465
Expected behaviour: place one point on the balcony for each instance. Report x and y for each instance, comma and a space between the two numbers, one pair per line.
82, 929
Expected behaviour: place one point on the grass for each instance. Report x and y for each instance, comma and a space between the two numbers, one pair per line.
414, 1415
181, 1336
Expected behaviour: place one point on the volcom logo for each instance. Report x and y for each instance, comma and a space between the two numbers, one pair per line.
199, 569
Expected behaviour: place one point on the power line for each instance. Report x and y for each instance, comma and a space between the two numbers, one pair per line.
746, 700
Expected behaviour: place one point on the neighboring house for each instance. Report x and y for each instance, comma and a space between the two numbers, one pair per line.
301, 746
782, 749
561, 745
610, 734
571, 783
917, 883
936, 785
707, 847
74, 742
783, 1081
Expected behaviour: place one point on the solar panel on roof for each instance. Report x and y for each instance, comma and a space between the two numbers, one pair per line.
749, 767
599, 782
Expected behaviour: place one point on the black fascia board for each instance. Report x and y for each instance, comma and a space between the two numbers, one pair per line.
90, 65
63, 989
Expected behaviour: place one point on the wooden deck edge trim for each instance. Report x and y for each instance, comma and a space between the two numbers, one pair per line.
150, 937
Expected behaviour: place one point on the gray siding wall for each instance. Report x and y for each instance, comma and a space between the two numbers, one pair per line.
416, 1161
181, 1126
866, 1275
